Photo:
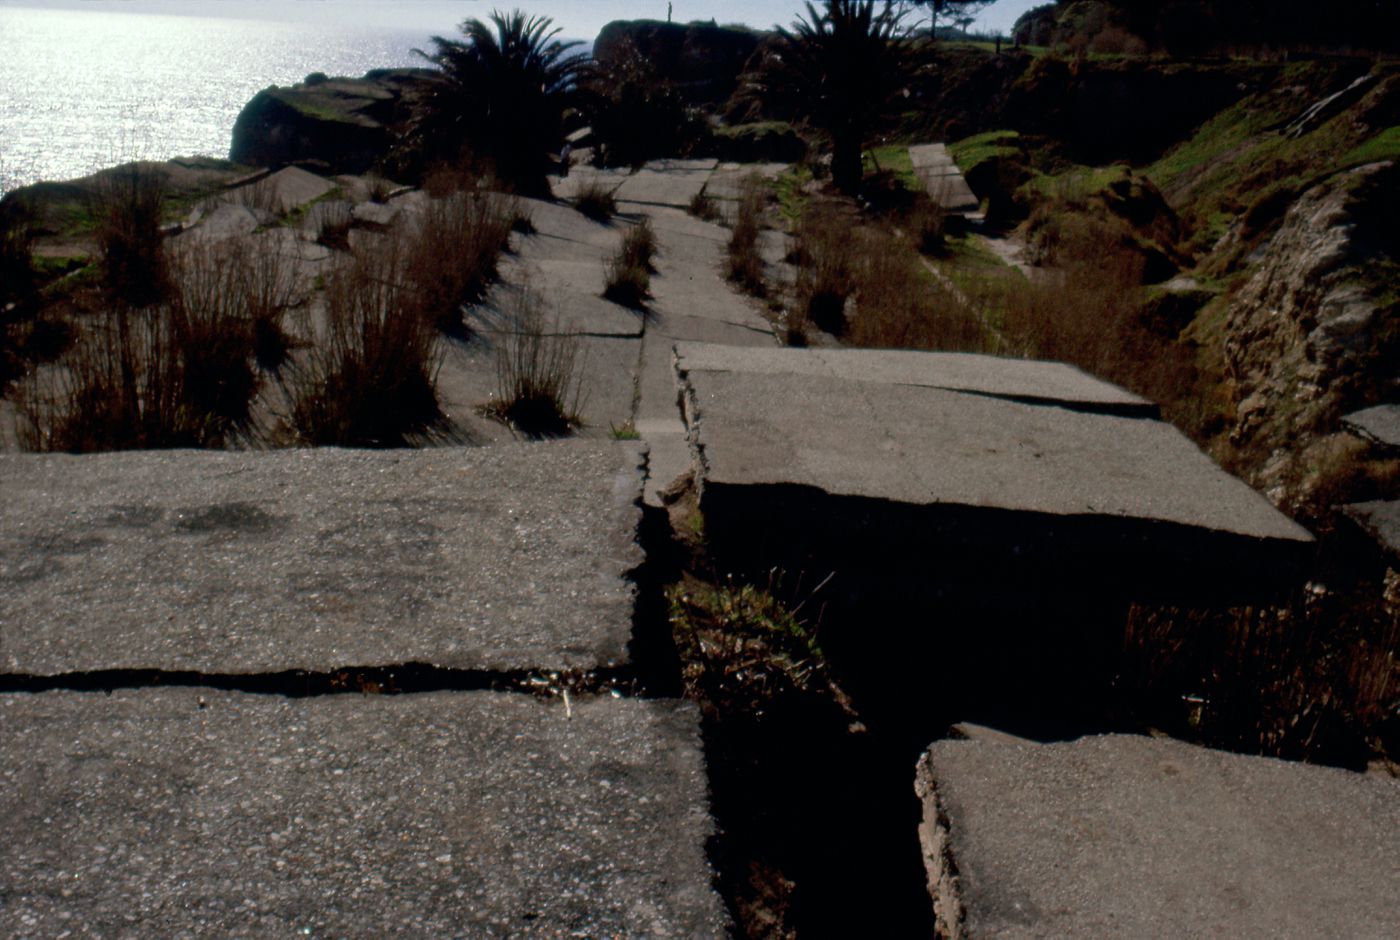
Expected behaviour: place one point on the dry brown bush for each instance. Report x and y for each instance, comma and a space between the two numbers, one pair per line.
451, 256
181, 374
126, 206
743, 263
826, 268
371, 379
899, 304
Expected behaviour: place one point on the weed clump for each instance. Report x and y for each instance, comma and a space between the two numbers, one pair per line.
743, 262
453, 254
629, 271
183, 373
703, 206
371, 380
538, 379
596, 201
825, 277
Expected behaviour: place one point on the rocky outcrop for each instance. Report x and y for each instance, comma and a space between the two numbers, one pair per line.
1308, 334
346, 125
702, 60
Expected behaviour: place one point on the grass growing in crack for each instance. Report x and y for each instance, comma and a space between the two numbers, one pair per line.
371, 381
743, 264
596, 201
629, 271
539, 379
741, 646
333, 224
703, 206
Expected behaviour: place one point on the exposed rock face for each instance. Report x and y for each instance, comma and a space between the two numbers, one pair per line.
346, 124
702, 60
1307, 335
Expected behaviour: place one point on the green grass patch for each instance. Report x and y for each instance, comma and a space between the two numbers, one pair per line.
1383, 146
892, 158
788, 188
970, 151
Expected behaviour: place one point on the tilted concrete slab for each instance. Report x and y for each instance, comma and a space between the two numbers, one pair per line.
506, 558
1380, 424
1026, 456
1027, 380
293, 187
941, 178
184, 811
1381, 519
1135, 837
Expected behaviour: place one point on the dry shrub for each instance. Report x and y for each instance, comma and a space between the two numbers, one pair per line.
703, 206
1315, 678
371, 380
126, 208
900, 304
826, 270
538, 378
927, 223
596, 201
743, 262
628, 273
181, 374
451, 256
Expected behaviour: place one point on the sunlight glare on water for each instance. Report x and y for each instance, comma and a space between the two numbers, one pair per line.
83, 89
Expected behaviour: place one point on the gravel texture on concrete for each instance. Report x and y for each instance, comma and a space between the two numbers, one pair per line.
876, 428
1135, 837
1380, 424
505, 558
194, 812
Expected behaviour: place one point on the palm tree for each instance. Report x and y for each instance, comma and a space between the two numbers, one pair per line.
502, 94
842, 69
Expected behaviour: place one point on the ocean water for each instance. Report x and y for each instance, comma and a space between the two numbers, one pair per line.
88, 85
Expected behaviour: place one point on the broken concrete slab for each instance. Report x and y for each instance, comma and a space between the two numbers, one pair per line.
224, 221
1380, 425
1029, 459
1130, 836
727, 181
292, 187
941, 178
1026, 380
508, 558
183, 811
1381, 520
377, 214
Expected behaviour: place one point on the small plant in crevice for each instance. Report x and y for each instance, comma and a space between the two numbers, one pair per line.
743, 264
629, 271
741, 646
539, 378
704, 206
596, 201
371, 380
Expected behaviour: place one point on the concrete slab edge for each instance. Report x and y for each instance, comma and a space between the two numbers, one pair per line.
690, 414
936, 847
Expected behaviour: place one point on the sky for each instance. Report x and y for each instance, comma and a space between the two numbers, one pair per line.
581, 19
